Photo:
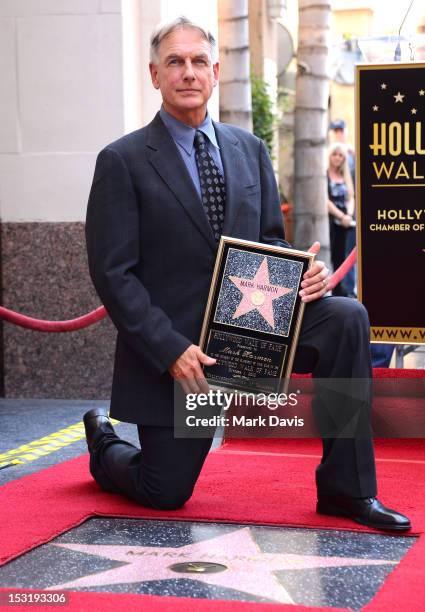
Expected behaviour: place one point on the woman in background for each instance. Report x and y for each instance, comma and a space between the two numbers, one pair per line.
340, 205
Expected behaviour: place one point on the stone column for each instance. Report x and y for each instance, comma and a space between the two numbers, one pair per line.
235, 93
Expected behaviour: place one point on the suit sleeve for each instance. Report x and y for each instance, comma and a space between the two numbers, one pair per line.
271, 230
112, 236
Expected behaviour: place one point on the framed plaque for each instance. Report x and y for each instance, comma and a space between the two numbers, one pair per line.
253, 315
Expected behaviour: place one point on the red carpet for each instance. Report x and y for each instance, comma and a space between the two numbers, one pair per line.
267, 481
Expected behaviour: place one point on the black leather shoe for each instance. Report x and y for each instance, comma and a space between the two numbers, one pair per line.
92, 421
366, 511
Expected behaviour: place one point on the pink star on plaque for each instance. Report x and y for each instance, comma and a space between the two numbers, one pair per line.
247, 568
258, 293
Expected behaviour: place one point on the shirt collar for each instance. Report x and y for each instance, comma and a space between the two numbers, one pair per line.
184, 134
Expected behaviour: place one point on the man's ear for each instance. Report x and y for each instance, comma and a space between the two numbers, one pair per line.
153, 68
216, 72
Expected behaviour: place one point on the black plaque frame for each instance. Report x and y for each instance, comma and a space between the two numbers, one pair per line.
250, 358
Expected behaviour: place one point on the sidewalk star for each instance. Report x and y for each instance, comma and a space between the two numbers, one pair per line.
248, 568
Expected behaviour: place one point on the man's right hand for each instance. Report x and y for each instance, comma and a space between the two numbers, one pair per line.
188, 372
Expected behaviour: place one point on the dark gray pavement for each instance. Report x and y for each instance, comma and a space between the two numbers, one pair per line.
25, 420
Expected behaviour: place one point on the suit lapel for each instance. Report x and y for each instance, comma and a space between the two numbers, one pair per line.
173, 171
234, 164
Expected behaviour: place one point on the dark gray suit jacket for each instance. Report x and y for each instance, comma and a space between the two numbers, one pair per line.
151, 252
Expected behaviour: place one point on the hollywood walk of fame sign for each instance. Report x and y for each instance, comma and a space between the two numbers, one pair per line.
390, 202
248, 570
253, 315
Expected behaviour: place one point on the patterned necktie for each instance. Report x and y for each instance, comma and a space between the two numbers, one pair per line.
213, 187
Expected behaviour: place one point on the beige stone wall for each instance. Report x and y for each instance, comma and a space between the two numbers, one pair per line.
61, 70
61, 101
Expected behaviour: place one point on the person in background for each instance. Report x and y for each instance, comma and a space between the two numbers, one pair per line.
340, 206
338, 130
381, 353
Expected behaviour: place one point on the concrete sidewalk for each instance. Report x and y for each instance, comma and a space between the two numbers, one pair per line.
25, 420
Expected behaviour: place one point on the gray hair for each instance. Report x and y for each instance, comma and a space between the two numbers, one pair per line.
165, 28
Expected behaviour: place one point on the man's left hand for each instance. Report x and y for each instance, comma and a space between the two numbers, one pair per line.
315, 281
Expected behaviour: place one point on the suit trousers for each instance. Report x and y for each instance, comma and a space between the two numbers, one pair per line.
333, 344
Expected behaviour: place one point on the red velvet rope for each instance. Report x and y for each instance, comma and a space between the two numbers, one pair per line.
100, 313
53, 326
346, 265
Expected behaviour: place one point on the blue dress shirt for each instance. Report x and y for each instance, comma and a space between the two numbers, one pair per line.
183, 135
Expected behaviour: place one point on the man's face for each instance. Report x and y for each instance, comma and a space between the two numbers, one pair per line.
339, 135
185, 73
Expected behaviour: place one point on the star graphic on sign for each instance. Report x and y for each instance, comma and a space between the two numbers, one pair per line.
258, 293
422, 92
248, 569
399, 97
383, 86
414, 111
375, 108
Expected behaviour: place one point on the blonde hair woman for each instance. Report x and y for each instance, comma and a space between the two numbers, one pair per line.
340, 205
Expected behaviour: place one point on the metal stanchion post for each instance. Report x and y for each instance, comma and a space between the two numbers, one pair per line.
399, 356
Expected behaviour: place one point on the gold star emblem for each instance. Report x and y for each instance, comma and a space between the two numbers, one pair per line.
422, 92
413, 111
375, 108
399, 97
383, 86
